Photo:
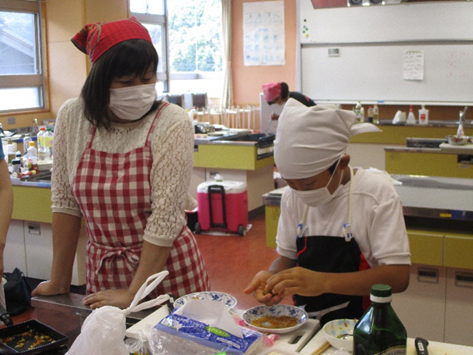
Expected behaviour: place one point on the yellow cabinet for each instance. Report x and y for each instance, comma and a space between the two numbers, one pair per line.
426, 247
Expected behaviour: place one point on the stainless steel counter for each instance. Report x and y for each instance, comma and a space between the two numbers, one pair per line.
423, 196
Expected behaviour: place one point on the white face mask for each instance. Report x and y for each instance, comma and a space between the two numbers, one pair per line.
319, 196
132, 102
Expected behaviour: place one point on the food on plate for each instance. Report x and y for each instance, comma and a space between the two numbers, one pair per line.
29, 340
274, 322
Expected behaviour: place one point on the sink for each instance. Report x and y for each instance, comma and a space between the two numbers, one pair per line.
424, 142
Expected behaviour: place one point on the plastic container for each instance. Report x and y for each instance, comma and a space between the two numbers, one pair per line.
26, 143
44, 152
375, 114
423, 115
33, 156
48, 139
379, 330
411, 119
222, 204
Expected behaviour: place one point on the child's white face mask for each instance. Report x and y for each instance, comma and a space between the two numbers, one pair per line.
132, 102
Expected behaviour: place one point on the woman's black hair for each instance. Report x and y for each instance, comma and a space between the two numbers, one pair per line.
131, 57
284, 90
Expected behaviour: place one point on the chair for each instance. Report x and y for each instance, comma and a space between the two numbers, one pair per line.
176, 99
199, 100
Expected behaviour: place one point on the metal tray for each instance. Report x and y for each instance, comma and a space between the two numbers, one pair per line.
27, 331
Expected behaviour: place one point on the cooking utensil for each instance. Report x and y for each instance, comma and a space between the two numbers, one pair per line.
421, 346
335, 331
321, 349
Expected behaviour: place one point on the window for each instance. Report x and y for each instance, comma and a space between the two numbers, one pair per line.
21, 73
192, 60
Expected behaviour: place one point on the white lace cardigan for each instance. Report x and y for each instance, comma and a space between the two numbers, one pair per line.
172, 145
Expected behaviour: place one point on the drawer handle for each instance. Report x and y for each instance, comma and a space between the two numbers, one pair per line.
463, 279
428, 275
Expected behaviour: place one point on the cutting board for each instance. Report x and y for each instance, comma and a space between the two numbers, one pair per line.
292, 343
457, 149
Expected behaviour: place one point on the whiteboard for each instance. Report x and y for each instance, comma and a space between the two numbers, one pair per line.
372, 42
375, 73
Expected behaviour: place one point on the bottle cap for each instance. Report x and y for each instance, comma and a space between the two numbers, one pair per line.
380, 290
31, 144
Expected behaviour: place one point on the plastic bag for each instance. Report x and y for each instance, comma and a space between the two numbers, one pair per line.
103, 331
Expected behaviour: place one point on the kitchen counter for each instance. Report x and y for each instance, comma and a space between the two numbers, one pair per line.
65, 313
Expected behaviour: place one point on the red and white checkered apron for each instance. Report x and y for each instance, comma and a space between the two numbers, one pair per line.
114, 194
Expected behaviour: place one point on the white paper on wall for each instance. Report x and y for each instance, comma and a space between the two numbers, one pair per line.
263, 33
413, 65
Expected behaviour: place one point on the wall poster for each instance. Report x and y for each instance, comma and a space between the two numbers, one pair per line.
263, 33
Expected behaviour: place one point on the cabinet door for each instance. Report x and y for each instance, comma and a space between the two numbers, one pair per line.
15, 253
39, 249
39, 252
421, 307
459, 307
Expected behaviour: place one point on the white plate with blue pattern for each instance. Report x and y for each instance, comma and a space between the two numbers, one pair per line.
275, 311
225, 298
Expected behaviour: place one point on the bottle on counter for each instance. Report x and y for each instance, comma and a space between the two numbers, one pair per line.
379, 330
48, 138
376, 114
370, 114
359, 112
411, 119
11, 150
39, 140
16, 163
33, 157
26, 143
423, 115
43, 151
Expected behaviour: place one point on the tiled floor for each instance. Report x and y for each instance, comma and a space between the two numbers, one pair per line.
231, 261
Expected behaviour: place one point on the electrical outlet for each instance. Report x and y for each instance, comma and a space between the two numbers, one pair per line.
334, 52
11, 120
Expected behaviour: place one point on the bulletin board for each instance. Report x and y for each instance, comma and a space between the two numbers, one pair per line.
373, 45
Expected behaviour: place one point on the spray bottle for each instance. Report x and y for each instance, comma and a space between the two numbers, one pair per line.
423, 115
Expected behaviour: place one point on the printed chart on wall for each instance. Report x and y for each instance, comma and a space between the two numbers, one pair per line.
263, 33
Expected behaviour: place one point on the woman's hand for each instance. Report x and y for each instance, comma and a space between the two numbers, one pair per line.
297, 280
48, 288
120, 298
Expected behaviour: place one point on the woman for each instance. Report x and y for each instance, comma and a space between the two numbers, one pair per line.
6, 198
278, 93
123, 162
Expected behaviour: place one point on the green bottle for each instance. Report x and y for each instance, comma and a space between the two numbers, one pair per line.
379, 331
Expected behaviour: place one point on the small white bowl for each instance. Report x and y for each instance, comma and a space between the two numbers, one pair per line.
337, 327
276, 310
225, 298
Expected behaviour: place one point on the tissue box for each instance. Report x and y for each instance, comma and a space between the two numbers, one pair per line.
183, 333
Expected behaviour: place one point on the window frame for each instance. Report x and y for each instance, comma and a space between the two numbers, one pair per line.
167, 76
21, 81
161, 20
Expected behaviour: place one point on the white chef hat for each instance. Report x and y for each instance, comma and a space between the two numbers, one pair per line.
310, 139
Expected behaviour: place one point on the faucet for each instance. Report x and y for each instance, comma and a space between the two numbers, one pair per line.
34, 128
460, 131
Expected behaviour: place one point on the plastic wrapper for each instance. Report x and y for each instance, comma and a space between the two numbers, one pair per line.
103, 331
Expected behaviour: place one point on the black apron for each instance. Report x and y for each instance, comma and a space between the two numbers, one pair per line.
329, 254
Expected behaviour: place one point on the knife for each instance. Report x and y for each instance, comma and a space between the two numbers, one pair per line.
421, 346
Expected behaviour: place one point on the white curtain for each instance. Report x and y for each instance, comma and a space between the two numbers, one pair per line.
227, 94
